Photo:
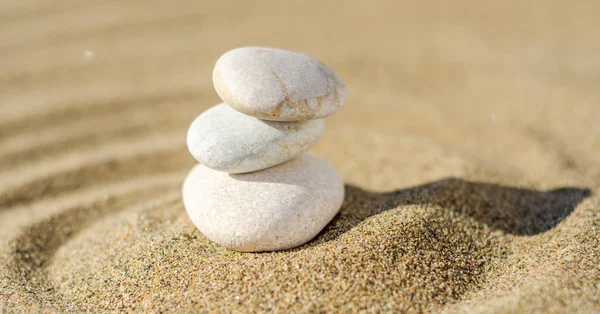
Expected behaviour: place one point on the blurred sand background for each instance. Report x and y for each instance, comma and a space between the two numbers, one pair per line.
469, 144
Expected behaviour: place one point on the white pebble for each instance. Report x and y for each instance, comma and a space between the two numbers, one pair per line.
275, 209
226, 140
275, 84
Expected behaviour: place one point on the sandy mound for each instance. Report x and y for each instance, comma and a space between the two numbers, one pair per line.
469, 148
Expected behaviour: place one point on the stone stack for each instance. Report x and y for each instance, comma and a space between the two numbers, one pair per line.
255, 189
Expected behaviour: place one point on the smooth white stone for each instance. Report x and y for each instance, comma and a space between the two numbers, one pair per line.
226, 140
275, 84
274, 209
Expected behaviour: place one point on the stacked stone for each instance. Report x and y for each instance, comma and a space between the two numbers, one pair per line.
255, 189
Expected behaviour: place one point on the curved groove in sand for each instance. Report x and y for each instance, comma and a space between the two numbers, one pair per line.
92, 132
73, 112
73, 71
115, 151
92, 172
45, 208
32, 250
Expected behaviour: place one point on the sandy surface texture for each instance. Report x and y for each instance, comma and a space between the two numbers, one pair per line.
469, 145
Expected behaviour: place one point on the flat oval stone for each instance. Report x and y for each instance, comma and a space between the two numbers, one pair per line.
275, 84
226, 140
275, 209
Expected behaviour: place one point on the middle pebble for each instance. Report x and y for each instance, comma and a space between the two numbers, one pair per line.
224, 139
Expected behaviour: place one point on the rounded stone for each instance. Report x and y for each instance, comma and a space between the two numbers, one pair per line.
279, 85
278, 208
226, 140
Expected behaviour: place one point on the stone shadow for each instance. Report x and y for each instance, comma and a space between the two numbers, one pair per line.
518, 211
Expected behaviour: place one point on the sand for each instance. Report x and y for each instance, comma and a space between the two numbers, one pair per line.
469, 146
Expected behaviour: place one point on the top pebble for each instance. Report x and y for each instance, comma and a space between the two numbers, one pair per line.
279, 85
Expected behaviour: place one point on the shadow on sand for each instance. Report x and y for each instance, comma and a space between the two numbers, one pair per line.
516, 211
